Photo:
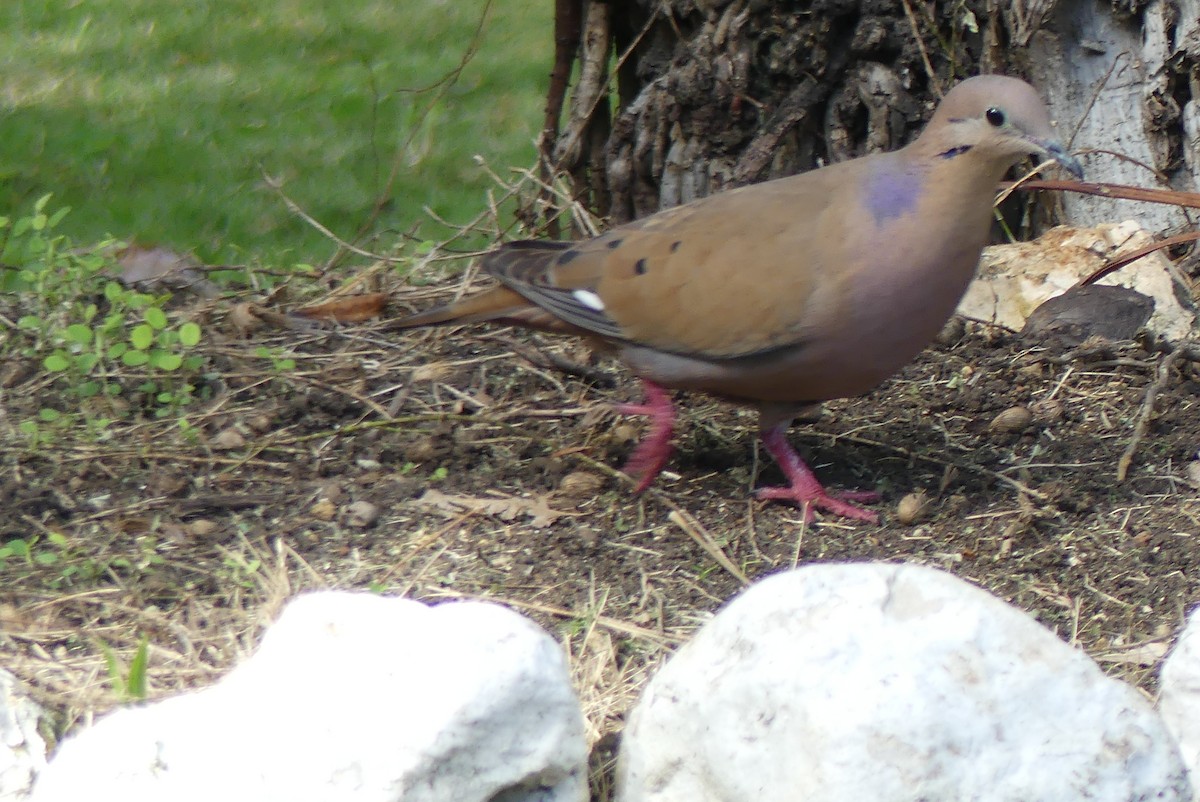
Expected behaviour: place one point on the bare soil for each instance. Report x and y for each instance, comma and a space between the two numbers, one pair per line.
445, 464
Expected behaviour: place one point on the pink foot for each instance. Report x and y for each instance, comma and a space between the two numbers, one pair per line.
804, 490
648, 459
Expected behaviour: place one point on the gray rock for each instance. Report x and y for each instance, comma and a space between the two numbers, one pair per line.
888, 682
353, 696
1096, 310
1179, 699
22, 749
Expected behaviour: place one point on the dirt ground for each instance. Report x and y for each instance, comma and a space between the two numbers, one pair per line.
446, 464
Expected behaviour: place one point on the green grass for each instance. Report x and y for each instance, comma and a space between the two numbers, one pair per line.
153, 120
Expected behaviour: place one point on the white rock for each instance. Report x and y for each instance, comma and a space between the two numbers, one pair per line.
1015, 279
888, 682
352, 696
22, 750
1179, 699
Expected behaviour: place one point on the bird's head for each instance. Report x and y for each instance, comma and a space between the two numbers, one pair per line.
1000, 118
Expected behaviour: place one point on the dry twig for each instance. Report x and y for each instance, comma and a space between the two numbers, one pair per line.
1147, 411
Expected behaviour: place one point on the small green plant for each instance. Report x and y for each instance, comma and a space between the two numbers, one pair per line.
243, 570
281, 364
130, 684
54, 551
97, 336
27, 552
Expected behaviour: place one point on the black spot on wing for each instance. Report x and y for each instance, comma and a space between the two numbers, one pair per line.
615, 243
567, 257
639, 267
522, 260
675, 245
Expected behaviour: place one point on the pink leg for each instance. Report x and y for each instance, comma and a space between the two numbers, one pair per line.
648, 459
804, 489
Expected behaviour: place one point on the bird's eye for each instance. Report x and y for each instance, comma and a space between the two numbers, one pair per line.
994, 116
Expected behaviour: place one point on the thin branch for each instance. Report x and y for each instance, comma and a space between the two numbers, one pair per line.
1146, 413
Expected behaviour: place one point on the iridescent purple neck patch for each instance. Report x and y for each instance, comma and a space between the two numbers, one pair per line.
892, 192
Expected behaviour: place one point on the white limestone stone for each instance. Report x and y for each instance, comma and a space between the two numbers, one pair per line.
1179, 699
22, 749
352, 696
888, 682
1013, 280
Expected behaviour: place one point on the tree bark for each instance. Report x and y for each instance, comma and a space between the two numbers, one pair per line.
710, 94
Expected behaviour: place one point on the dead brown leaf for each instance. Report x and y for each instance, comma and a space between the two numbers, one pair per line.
351, 309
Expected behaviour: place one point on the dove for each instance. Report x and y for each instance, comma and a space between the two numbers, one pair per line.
784, 294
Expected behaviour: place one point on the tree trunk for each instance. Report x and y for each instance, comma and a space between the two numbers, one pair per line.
710, 94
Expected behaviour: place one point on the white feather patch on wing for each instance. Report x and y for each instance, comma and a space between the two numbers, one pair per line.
589, 299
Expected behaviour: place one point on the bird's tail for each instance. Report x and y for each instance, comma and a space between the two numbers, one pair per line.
519, 259
498, 303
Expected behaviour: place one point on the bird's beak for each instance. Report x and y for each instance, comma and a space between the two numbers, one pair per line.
1059, 154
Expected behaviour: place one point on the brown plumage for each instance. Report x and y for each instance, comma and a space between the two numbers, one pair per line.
786, 293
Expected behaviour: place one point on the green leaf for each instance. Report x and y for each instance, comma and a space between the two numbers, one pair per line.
58, 216
113, 291
142, 337
85, 362
58, 539
189, 334
49, 415
113, 323
117, 350
42, 201
135, 682
156, 317
135, 359
79, 333
164, 360
56, 362
110, 662
45, 558
29, 322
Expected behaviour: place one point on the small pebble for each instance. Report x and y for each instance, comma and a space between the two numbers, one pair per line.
323, 510
580, 485
259, 423
952, 332
1012, 420
1047, 413
229, 440
1193, 473
626, 433
362, 514
914, 508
